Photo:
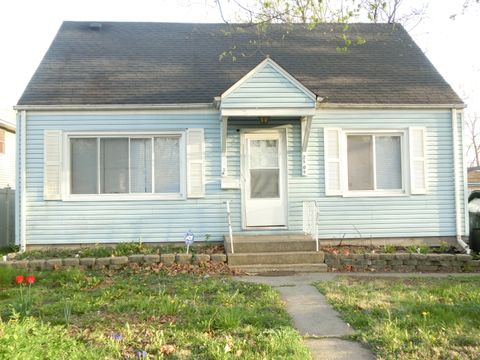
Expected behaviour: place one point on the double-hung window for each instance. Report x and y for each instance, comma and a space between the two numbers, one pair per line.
374, 162
127, 165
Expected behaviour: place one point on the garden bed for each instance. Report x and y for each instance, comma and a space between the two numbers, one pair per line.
121, 249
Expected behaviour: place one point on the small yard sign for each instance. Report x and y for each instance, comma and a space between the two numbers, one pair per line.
189, 239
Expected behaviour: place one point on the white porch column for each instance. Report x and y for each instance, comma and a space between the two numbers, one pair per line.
305, 125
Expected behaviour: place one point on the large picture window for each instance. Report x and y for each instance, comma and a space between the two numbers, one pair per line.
126, 165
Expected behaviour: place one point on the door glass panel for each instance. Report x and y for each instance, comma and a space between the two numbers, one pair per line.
263, 154
264, 183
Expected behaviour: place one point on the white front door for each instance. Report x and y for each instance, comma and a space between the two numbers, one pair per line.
264, 175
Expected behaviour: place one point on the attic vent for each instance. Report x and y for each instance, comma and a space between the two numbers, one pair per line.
95, 26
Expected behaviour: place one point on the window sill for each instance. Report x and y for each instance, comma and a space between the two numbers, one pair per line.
375, 194
124, 197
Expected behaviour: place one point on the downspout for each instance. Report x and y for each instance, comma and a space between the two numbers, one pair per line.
458, 218
23, 180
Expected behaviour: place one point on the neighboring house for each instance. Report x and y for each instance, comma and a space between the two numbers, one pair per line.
473, 178
7, 154
135, 131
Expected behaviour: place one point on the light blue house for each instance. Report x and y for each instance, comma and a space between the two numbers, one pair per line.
133, 131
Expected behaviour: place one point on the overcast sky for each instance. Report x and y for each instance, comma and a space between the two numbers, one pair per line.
27, 28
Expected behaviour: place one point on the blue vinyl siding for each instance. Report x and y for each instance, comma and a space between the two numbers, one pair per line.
405, 216
50, 222
62, 222
267, 88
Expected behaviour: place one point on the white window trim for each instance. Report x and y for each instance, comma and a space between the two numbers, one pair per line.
66, 183
405, 191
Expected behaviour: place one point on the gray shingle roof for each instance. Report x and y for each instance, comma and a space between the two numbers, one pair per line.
169, 63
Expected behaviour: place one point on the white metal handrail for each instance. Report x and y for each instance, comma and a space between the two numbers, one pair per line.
229, 219
310, 220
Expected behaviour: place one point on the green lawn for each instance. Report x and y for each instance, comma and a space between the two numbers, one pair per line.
411, 318
138, 314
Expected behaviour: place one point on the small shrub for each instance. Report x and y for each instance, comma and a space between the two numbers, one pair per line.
389, 249
418, 249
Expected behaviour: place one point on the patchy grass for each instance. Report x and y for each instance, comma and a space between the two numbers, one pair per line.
122, 249
411, 318
135, 313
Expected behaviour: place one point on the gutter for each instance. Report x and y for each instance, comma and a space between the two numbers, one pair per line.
117, 107
458, 218
215, 105
388, 106
7, 127
23, 185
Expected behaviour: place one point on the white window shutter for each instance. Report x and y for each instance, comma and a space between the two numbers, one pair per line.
52, 166
333, 173
195, 163
418, 162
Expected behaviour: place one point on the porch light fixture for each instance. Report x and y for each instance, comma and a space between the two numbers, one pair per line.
264, 120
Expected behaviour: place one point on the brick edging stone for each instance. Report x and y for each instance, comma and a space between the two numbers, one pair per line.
115, 262
402, 262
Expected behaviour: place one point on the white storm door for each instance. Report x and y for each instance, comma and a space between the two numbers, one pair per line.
265, 200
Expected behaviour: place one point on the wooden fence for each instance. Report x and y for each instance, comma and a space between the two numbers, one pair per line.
7, 217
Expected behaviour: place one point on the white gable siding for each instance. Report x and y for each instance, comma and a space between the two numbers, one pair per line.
267, 88
7, 161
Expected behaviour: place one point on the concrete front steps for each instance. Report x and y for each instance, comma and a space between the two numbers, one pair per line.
267, 253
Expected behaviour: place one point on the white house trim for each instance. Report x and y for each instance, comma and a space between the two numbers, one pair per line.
290, 112
282, 71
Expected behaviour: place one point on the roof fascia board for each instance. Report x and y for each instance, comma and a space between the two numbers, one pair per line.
117, 107
388, 106
282, 71
269, 112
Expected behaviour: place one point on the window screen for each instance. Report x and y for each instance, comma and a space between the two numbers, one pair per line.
84, 166
167, 160
388, 162
360, 166
114, 166
141, 165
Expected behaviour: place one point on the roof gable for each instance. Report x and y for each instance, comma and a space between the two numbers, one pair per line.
268, 85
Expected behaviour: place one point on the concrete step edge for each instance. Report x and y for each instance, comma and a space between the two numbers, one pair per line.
282, 267
287, 253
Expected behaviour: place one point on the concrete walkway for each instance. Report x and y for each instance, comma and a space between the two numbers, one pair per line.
314, 318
